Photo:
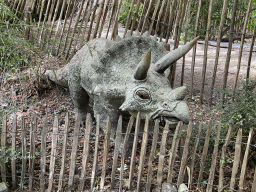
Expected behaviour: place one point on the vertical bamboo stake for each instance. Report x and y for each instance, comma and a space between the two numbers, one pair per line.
223, 13
184, 155
194, 50
214, 159
127, 134
60, 17
229, 48
169, 29
69, 27
92, 20
95, 158
159, 16
205, 50
250, 54
185, 41
13, 162
164, 24
105, 154
116, 151
74, 29
254, 182
152, 154
41, 12
64, 152
111, 17
162, 155
242, 42
23, 152
53, 152
223, 155
143, 11
3, 145
128, 18
245, 160
85, 150
134, 148
32, 151
173, 151
105, 12
74, 151
135, 16
143, 151
115, 25
154, 16
43, 155
194, 153
64, 27
147, 15
236, 159
204, 155
99, 12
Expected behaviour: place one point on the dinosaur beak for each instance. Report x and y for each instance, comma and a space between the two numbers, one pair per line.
143, 67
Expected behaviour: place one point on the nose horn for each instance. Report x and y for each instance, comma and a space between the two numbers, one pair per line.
180, 92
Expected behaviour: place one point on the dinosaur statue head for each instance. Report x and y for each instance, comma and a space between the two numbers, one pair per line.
151, 93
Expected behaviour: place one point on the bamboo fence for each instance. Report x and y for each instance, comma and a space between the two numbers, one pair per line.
65, 26
86, 158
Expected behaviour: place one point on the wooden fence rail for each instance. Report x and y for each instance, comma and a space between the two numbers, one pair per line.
37, 157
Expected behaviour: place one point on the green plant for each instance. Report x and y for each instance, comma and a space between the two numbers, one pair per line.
124, 13
239, 110
15, 50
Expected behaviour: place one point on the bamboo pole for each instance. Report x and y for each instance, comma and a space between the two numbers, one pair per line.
223, 156
229, 48
164, 24
154, 16
92, 20
169, 29
152, 154
245, 161
214, 159
41, 12
23, 152
250, 54
3, 145
142, 13
236, 159
159, 16
105, 12
143, 152
115, 26
223, 13
53, 152
194, 153
128, 19
146, 16
60, 18
134, 149
111, 16
74, 29
105, 154
185, 41
204, 155
116, 151
99, 14
13, 161
85, 150
135, 16
242, 43
194, 50
206, 50
127, 134
43, 155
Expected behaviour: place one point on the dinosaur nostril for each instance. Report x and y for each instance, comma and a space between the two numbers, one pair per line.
165, 105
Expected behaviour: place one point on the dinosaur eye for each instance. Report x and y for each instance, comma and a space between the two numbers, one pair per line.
143, 95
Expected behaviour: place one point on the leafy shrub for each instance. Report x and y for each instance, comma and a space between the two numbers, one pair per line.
239, 111
14, 48
124, 13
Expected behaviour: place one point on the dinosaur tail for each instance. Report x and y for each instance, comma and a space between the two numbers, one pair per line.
59, 76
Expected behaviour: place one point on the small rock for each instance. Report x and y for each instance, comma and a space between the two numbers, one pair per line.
183, 188
167, 187
3, 187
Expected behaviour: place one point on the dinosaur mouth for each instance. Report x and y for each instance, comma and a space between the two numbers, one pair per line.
173, 121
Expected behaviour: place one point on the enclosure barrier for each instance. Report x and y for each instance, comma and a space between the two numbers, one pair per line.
67, 156
70, 24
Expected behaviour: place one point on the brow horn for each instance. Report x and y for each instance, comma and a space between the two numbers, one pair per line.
167, 60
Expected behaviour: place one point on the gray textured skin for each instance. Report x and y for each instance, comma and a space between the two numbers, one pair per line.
103, 70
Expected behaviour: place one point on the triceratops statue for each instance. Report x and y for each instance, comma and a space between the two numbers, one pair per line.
126, 75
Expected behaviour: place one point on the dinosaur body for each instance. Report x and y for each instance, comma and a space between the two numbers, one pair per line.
127, 75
